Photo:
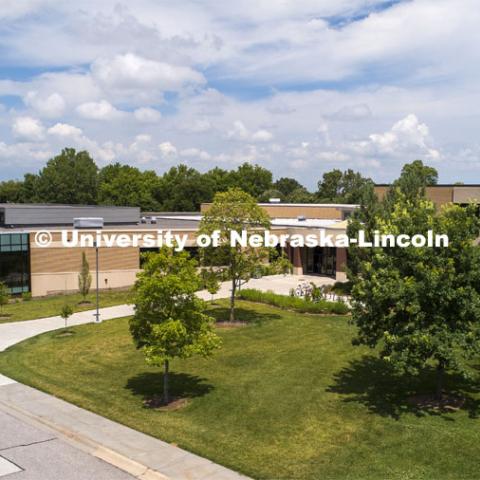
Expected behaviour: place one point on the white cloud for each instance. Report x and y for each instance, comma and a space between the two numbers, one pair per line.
147, 115
407, 136
64, 130
262, 136
195, 153
167, 149
130, 72
52, 105
102, 110
28, 128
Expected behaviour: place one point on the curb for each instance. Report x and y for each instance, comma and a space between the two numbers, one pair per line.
86, 444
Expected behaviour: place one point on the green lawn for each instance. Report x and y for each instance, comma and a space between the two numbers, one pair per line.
286, 397
49, 306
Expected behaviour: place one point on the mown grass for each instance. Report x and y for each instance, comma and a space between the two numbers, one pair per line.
49, 306
287, 397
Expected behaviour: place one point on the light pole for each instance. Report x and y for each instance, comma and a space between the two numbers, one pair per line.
97, 314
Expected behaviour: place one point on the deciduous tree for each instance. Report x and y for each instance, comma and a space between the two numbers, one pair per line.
234, 210
170, 320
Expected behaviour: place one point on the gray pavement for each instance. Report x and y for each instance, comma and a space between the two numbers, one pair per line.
32, 453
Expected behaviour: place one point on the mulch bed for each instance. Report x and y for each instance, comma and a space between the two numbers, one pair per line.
230, 324
156, 402
447, 402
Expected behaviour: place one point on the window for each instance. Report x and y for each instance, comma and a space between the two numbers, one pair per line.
15, 261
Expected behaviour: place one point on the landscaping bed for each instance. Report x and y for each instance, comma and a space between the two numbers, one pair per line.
286, 397
297, 304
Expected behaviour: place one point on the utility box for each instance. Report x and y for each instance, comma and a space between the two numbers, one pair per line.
88, 222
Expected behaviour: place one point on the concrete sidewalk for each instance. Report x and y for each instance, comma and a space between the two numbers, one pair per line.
138, 454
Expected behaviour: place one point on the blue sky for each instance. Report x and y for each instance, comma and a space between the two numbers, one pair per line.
299, 87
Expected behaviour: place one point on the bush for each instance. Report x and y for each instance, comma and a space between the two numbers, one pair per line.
293, 303
342, 288
26, 296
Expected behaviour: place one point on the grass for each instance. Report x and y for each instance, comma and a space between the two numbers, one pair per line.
49, 306
286, 397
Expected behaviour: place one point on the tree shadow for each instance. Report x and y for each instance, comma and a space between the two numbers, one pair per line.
181, 385
245, 315
372, 382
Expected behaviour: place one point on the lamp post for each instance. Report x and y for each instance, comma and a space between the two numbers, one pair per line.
97, 314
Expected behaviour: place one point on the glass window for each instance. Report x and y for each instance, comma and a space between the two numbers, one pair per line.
15, 262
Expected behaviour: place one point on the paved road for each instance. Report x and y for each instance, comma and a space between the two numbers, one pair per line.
31, 453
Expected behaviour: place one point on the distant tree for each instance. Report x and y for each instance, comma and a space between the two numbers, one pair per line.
212, 283
342, 187
4, 296
252, 179
183, 189
219, 179
66, 312
123, 185
29, 189
84, 277
169, 320
11, 191
286, 186
420, 305
426, 175
301, 195
70, 177
271, 193
234, 210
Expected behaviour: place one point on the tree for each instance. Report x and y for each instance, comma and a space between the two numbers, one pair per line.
425, 174
10, 191
169, 320
420, 305
286, 186
66, 312
234, 210
4, 296
123, 185
252, 179
183, 189
271, 193
84, 278
211, 282
70, 177
342, 187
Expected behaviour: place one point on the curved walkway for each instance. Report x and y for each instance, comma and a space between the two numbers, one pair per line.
140, 455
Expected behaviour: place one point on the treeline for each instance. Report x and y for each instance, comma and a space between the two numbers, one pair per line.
73, 178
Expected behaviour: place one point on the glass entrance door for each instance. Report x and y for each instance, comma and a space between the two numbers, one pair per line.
322, 261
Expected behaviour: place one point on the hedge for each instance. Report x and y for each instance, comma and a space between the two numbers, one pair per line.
293, 303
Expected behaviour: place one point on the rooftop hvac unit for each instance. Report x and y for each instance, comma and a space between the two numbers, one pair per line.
301, 218
88, 222
274, 200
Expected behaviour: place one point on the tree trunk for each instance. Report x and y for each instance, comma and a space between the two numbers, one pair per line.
232, 300
440, 375
166, 399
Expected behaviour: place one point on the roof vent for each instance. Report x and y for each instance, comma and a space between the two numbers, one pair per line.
273, 200
301, 218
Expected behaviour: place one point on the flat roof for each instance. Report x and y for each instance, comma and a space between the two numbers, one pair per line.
456, 185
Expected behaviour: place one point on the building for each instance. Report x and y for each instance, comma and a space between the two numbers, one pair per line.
42, 270
25, 266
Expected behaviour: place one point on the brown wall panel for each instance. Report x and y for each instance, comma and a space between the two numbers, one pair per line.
53, 260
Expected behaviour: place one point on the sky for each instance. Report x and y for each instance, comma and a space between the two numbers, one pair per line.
297, 86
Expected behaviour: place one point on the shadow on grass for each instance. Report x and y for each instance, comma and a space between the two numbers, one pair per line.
372, 382
253, 317
181, 385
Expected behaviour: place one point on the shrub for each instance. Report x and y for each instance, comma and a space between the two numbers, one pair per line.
26, 296
293, 303
342, 288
